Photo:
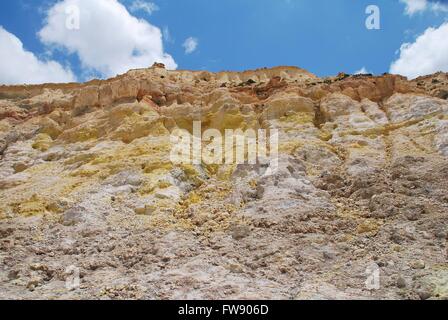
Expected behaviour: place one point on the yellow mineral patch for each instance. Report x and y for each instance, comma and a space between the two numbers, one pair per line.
253, 183
80, 134
230, 121
211, 169
30, 207
163, 184
197, 212
135, 127
85, 172
325, 135
299, 118
80, 159
42, 142
193, 199
51, 128
291, 146
225, 172
192, 173
151, 167
153, 181
369, 226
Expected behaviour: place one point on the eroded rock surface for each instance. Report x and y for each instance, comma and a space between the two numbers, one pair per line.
86, 184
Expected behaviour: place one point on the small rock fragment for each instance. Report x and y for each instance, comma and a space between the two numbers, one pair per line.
13, 275
33, 283
424, 294
240, 232
73, 216
441, 234
418, 265
401, 282
329, 255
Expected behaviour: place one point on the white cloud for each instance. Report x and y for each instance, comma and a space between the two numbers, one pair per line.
439, 7
416, 6
190, 45
363, 70
18, 66
428, 54
109, 40
146, 6
167, 35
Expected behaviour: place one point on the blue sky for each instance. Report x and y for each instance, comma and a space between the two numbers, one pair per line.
322, 36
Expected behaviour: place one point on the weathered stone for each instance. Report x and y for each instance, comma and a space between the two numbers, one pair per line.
240, 232
73, 216
361, 175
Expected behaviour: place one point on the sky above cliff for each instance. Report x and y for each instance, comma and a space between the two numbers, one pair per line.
77, 40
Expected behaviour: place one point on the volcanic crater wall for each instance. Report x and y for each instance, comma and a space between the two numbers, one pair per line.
86, 181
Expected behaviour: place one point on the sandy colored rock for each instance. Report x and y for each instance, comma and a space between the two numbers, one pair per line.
87, 185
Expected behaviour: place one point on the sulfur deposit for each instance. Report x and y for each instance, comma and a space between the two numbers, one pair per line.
357, 209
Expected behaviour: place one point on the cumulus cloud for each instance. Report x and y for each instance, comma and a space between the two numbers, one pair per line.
190, 45
415, 6
109, 39
18, 66
428, 54
146, 6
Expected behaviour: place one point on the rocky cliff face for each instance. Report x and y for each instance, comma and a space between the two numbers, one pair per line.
86, 183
